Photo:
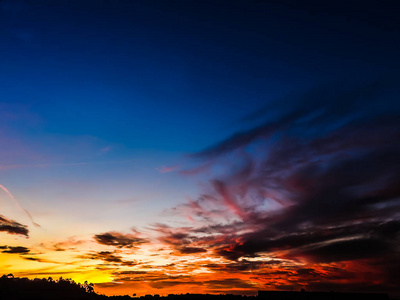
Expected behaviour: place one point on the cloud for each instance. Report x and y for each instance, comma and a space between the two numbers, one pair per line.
15, 250
153, 275
229, 200
322, 107
228, 283
320, 244
69, 244
13, 227
308, 199
119, 240
345, 250
109, 257
43, 260
191, 250
240, 266
164, 169
172, 236
316, 183
19, 205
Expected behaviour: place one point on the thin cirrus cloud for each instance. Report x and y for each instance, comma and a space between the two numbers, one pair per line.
166, 169
19, 205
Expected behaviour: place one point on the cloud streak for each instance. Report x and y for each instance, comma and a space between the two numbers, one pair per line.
19, 205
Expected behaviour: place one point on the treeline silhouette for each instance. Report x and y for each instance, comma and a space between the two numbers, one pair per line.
41, 288
15, 288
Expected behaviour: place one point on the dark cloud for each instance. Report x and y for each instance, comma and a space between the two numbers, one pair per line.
320, 108
176, 237
15, 250
13, 227
346, 250
230, 228
191, 250
33, 259
317, 182
109, 257
321, 244
316, 186
42, 260
186, 240
306, 272
119, 240
234, 267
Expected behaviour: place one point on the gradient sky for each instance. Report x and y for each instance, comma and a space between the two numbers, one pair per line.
204, 146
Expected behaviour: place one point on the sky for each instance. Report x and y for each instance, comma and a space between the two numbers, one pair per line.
157, 147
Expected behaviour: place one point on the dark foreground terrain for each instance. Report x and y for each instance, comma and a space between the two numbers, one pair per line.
12, 288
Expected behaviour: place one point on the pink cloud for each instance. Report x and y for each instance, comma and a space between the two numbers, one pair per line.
164, 169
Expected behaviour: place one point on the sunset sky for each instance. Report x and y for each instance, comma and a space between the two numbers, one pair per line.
213, 146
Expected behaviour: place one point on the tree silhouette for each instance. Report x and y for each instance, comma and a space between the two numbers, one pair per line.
42, 288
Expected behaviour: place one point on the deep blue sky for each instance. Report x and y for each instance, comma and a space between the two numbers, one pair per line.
173, 75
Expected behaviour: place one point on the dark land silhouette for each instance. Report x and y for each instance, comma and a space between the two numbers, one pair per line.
12, 288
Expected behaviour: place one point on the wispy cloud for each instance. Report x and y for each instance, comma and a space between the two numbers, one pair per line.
19, 205
164, 169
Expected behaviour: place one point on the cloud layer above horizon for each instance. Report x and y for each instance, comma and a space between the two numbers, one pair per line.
308, 199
